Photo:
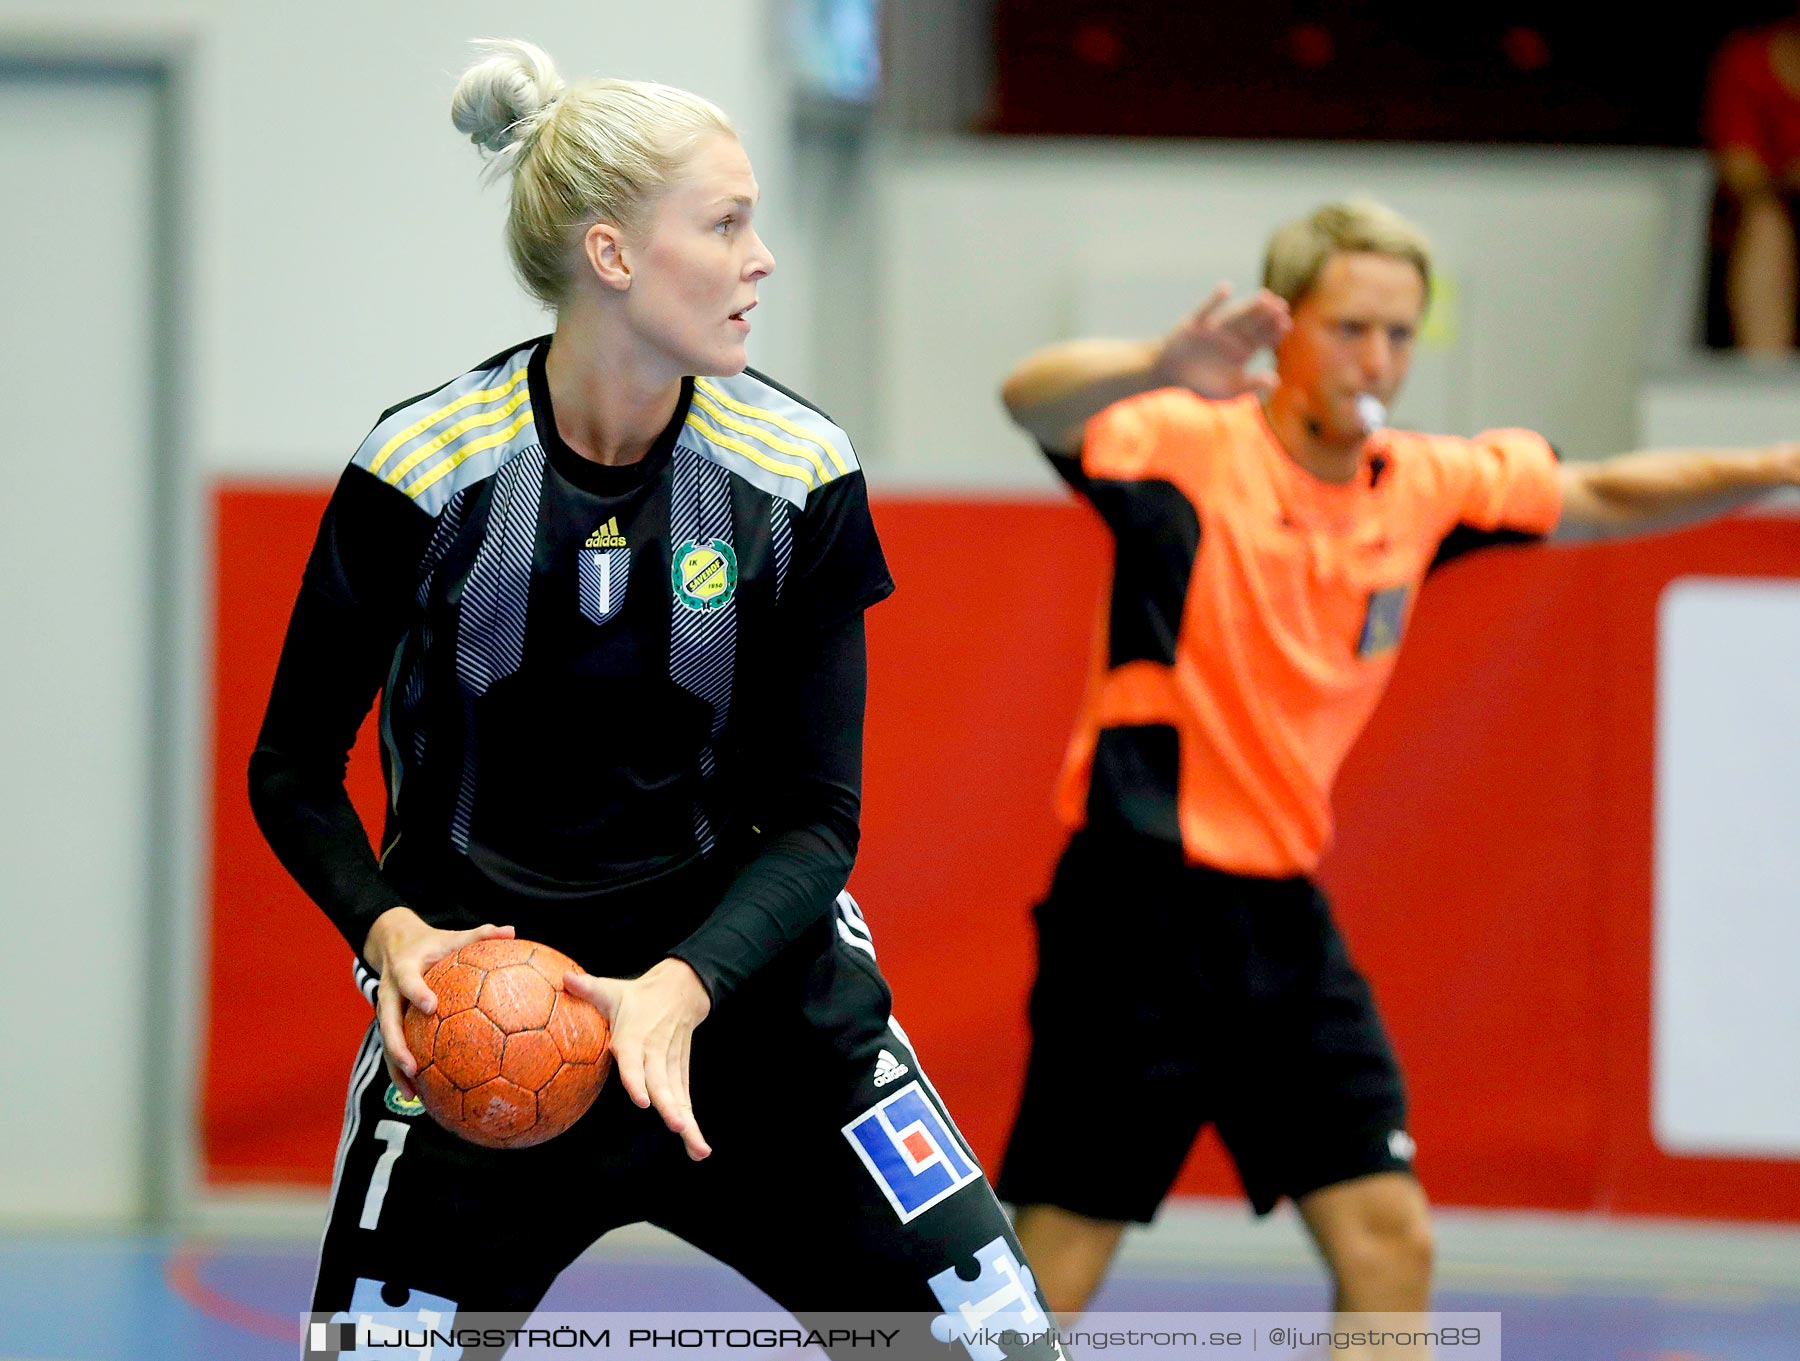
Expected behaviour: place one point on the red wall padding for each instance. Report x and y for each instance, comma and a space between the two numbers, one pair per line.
284, 1017
1493, 871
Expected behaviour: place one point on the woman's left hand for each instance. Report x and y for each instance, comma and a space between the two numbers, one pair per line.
653, 1019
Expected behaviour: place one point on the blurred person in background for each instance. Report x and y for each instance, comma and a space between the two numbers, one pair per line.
1753, 131
1270, 540
614, 611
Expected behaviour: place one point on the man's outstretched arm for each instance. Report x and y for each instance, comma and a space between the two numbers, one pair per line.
1054, 392
1642, 493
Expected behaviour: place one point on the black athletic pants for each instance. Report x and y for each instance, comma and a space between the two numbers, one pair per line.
837, 1183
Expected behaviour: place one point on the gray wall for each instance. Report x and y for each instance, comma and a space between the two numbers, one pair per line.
336, 251
1558, 274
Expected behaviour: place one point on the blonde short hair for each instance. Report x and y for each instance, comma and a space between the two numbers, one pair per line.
599, 151
1297, 253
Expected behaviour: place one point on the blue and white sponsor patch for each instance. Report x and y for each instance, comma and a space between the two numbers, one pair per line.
1384, 621
911, 1152
1001, 1299
379, 1328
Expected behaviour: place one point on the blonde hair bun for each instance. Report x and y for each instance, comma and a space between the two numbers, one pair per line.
503, 96
601, 150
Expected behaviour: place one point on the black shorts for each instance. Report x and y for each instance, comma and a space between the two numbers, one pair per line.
838, 1182
1170, 996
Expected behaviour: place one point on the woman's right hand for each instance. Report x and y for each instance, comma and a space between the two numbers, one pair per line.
400, 947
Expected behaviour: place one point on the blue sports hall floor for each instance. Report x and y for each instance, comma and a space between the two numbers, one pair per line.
1568, 1289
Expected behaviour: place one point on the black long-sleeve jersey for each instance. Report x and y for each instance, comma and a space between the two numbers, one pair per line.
621, 707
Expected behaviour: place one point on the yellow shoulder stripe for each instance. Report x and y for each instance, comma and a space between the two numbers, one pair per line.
419, 427
757, 413
474, 446
775, 442
454, 432
799, 471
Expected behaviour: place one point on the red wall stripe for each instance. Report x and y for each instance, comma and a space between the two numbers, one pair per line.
1493, 867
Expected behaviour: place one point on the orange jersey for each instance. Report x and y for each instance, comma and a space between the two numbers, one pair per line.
1257, 612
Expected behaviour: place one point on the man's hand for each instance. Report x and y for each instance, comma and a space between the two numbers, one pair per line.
653, 1019
1208, 351
1054, 392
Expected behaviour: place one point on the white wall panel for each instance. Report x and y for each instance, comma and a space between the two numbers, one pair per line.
1722, 401
1726, 1067
75, 612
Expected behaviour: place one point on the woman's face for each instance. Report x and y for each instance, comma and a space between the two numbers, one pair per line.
697, 262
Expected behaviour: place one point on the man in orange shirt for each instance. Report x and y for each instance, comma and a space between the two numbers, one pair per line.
1271, 537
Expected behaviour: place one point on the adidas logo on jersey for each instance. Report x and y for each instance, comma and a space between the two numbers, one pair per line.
888, 1069
607, 535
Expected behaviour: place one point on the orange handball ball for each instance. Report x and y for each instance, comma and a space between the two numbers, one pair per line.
509, 1059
